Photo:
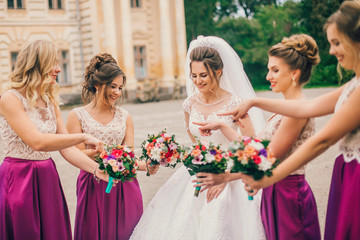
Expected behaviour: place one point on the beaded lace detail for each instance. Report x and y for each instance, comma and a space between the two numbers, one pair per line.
349, 144
190, 106
44, 120
274, 123
110, 133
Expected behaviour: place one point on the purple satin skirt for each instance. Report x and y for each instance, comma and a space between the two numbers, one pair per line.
288, 210
343, 212
104, 216
32, 202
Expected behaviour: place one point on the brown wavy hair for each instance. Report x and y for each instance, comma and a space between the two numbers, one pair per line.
101, 70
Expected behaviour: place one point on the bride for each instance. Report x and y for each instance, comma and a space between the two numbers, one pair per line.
216, 83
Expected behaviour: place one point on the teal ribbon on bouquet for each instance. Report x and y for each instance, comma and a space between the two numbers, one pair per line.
110, 184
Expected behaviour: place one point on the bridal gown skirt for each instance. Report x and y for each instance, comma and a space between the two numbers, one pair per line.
343, 211
32, 202
174, 213
106, 216
288, 210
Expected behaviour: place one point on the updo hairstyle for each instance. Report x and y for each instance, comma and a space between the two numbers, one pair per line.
101, 70
299, 51
211, 60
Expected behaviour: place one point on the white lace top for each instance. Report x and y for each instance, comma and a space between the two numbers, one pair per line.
350, 144
274, 123
44, 120
200, 112
110, 133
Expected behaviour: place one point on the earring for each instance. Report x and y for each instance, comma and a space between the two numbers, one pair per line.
293, 82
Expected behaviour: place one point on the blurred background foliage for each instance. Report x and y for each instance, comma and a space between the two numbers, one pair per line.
251, 27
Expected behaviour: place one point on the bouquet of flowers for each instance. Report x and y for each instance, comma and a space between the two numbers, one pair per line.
252, 157
203, 157
119, 162
161, 149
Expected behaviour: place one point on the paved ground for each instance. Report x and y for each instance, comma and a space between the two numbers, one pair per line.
153, 117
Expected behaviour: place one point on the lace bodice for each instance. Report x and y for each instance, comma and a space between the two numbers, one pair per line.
205, 113
274, 123
110, 133
350, 144
44, 120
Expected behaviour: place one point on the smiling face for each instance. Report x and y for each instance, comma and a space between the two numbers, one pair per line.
279, 75
338, 47
202, 79
112, 92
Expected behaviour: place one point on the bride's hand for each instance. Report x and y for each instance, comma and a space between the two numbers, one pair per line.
214, 192
206, 127
208, 180
240, 112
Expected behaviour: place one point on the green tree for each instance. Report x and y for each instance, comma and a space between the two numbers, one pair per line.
199, 18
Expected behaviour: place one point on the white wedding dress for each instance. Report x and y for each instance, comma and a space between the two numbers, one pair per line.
175, 214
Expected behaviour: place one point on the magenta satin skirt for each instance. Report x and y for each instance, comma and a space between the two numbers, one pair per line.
103, 216
343, 212
288, 210
32, 202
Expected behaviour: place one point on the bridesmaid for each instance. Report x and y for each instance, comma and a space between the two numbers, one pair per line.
100, 215
343, 213
288, 208
32, 202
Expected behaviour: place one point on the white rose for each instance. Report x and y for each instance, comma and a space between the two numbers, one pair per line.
155, 154
265, 164
209, 157
257, 145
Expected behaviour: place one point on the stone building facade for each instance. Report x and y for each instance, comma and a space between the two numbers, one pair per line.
146, 37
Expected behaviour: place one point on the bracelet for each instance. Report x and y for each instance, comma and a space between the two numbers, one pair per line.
95, 177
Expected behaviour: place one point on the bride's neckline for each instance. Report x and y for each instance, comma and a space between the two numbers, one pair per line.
214, 103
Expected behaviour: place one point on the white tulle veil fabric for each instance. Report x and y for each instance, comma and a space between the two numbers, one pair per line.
233, 79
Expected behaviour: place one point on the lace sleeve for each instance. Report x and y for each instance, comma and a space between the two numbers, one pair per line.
187, 107
234, 102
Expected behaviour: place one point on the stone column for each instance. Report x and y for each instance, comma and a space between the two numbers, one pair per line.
180, 39
167, 51
111, 44
127, 48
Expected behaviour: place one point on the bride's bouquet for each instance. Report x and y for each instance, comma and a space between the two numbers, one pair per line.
252, 157
161, 149
119, 162
203, 157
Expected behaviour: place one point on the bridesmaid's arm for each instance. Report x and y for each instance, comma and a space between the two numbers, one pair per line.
73, 125
13, 111
74, 155
295, 108
345, 120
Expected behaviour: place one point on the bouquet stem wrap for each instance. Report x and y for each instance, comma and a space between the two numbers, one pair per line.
110, 184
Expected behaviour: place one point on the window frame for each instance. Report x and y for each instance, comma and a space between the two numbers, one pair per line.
140, 62
16, 2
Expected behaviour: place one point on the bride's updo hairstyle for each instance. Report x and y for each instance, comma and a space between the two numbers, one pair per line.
211, 60
101, 70
299, 51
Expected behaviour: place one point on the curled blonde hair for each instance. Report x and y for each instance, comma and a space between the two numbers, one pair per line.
32, 72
